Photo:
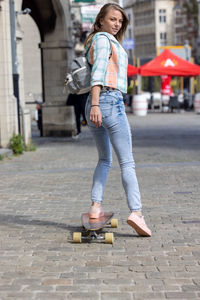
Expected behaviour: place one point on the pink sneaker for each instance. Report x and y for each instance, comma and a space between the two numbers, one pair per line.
96, 212
138, 224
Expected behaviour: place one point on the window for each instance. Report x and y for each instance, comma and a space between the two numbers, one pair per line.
162, 16
163, 38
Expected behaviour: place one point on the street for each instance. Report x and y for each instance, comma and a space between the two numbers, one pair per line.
42, 196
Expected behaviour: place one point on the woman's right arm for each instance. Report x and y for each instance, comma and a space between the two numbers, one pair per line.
95, 112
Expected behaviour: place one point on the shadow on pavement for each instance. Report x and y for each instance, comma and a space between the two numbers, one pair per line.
27, 220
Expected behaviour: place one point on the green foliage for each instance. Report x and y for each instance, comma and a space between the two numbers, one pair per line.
1, 157
17, 144
192, 7
130, 90
145, 83
156, 83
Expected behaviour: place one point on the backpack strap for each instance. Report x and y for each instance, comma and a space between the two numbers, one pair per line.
86, 52
109, 42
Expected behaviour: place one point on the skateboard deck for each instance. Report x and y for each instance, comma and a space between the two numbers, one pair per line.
95, 224
91, 227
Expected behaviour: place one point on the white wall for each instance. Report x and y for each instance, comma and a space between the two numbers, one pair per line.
31, 61
8, 112
164, 27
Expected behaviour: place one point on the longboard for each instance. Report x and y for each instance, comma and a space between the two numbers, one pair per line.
92, 225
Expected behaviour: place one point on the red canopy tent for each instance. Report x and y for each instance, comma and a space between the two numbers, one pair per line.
131, 70
168, 63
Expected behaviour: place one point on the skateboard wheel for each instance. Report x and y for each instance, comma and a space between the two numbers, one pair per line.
114, 223
77, 237
109, 238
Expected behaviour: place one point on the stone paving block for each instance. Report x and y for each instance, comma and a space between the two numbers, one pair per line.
179, 268
194, 287
143, 268
180, 295
148, 295
59, 281
80, 296
74, 275
178, 281
51, 296
116, 296
10, 287
165, 287
160, 275
132, 288
17, 296
187, 275
87, 281
103, 275
118, 281
37, 288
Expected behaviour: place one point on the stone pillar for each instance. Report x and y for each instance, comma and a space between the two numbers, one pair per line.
8, 115
58, 119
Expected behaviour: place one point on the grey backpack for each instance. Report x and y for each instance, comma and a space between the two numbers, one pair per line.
78, 80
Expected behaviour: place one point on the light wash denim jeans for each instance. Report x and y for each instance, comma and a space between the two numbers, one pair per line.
114, 131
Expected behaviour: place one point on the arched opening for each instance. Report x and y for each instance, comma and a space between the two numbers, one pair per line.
53, 21
43, 14
31, 64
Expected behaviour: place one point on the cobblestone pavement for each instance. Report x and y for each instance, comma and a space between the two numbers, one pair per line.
43, 193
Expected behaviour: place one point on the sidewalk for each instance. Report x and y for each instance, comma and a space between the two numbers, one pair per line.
5, 152
43, 193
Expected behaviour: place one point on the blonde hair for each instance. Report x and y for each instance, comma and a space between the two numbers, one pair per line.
102, 13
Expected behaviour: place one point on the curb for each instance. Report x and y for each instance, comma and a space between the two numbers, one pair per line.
5, 152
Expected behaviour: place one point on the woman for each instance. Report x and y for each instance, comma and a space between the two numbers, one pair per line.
105, 112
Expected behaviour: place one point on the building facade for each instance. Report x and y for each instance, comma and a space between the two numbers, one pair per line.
53, 21
152, 26
186, 24
45, 44
128, 5
159, 23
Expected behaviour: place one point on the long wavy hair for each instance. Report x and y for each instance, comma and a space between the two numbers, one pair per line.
101, 15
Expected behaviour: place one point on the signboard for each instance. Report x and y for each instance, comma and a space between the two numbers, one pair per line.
182, 51
84, 0
88, 16
128, 44
166, 89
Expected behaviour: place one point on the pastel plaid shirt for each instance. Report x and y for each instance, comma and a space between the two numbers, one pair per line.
108, 70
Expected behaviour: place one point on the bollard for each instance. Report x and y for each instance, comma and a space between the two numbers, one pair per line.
140, 105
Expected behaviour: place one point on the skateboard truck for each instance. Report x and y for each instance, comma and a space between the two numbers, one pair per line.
92, 236
78, 237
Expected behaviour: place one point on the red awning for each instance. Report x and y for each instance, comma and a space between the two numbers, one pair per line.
168, 63
131, 70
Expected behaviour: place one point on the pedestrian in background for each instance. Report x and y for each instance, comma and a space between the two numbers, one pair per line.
105, 112
79, 102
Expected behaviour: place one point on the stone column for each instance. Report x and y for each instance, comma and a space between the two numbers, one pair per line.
58, 119
24, 112
8, 114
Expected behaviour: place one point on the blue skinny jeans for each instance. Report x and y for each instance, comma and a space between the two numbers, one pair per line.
114, 132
